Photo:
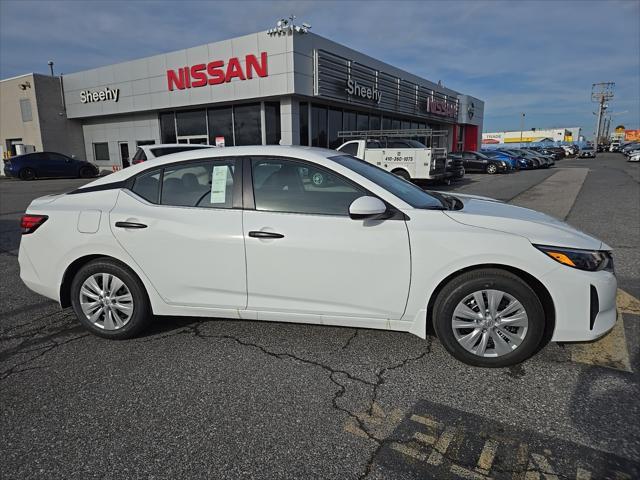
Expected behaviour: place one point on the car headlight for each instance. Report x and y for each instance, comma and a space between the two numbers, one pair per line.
590, 260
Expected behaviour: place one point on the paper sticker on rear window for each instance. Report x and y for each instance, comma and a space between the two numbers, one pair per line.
219, 184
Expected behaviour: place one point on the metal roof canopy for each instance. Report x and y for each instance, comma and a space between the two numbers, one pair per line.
411, 132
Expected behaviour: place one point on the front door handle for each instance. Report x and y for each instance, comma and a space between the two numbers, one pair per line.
262, 234
130, 225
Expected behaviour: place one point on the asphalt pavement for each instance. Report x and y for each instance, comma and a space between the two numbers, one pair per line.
227, 399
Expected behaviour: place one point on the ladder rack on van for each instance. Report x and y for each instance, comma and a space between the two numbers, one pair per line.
408, 133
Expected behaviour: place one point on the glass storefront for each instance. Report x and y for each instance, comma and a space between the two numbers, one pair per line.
326, 122
238, 125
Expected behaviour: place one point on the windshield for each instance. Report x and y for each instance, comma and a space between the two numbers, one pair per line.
408, 192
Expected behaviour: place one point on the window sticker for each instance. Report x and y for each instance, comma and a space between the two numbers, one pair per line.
219, 184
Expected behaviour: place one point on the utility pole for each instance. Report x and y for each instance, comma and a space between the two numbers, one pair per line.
50, 63
601, 93
521, 127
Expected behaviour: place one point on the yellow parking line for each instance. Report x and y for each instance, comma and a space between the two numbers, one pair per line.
440, 447
611, 350
410, 452
487, 455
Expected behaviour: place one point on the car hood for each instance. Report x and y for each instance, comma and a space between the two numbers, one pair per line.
539, 228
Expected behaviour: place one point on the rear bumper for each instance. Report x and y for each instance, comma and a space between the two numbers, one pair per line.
29, 275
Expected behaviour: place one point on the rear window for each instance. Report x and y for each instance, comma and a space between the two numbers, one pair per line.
140, 156
161, 151
350, 148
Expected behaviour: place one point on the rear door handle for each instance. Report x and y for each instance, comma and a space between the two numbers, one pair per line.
262, 234
130, 225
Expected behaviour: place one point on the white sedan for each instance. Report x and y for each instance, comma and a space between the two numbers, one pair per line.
244, 233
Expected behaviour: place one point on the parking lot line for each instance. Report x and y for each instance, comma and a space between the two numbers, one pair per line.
610, 351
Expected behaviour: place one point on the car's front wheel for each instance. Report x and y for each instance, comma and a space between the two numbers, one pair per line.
110, 300
491, 169
489, 318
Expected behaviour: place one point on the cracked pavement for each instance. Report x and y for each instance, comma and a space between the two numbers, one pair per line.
216, 398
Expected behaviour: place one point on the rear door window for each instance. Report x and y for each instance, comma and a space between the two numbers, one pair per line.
147, 186
207, 184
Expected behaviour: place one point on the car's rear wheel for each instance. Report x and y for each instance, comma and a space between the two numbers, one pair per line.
110, 300
27, 174
489, 318
87, 172
491, 169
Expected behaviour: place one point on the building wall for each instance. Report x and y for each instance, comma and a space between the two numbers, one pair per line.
11, 124
114, 129
58, 133
143, 86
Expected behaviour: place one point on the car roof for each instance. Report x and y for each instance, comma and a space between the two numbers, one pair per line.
164, 145
313, 154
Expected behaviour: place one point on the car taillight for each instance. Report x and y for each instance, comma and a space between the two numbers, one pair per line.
30, 223
136, 161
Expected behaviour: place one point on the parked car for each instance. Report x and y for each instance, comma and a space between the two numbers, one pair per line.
524, 163
587, 152
479, 162
455, 169
546, 160
634, 157
149, 152
47, 165
614, 147
501, 280
535, 160
513, 162
629, 146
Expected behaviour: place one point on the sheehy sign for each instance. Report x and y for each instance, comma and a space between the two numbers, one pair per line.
217, 72
357, 90
87, 96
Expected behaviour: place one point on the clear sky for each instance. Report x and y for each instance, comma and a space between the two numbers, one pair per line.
538, 57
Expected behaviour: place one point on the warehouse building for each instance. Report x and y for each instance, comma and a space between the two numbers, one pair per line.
282, 86
569, 134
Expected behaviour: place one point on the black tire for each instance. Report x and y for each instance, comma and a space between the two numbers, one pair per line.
87, 172
27, 174
141, 315
491, 169
467, 283
402, 174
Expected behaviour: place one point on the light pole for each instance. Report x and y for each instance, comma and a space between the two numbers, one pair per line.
521, 127
50, 63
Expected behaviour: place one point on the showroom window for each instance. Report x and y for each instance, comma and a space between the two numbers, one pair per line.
247, 124
221, 125
167, 127
349, 120
362, 121
192, 122
289, 186
207, 184
374, 122
318, 126
386, 123
335, 126
101, 152
304, 123
272, 122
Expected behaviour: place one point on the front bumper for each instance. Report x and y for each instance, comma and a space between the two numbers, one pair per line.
585, 303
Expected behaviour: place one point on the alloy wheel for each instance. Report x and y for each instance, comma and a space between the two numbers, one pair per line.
490, 323
106, 301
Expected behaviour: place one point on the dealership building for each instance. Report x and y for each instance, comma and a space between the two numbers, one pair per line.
282, 86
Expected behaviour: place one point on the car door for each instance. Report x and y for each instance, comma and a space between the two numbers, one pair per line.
187, 235
57, 165
470, 162
306, 255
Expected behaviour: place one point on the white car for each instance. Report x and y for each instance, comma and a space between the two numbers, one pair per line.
149, 152
634, 157
242, 232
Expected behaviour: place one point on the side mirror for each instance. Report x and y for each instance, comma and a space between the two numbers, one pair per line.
367, 207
